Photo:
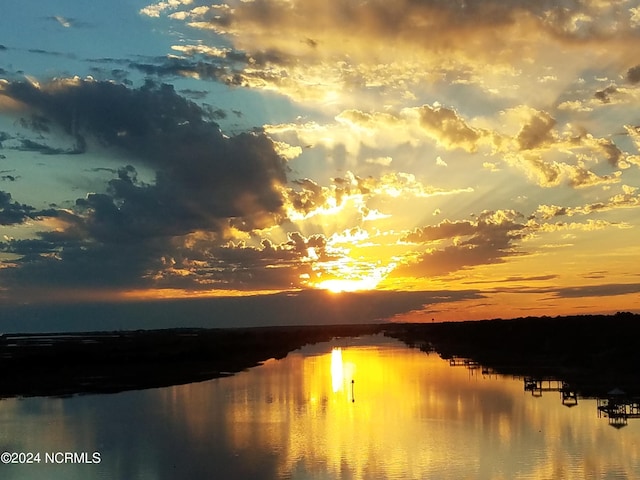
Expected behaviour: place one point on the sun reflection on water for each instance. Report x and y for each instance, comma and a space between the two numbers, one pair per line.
342, 374
337, 369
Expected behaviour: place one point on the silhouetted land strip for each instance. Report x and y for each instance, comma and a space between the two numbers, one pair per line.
593, 353
105, 362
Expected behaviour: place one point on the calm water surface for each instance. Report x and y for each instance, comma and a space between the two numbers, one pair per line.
405, 415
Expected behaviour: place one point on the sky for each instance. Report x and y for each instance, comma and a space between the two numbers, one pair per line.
476, 158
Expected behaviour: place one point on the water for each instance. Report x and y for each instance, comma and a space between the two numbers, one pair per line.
406, 415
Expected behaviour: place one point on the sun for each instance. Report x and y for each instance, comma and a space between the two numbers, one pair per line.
348, 278
337, 285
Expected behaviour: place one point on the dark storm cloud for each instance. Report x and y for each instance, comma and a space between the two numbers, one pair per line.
195, 94
102, 169
12, 213
596, 275
40, 51
633, 74
627, 199
227, 66
606, 290
602, 290
37, 123
27, 145
485, 241
604, 95
29, 247
7, 175
204, 181
82, 265
612, 153
115, 114
514, 279
537, 132
4, 136
202, 175
224, 68
241, 266
308, 195
71, 257
132, 211
445, 229
42, 126
215, 113
176, 67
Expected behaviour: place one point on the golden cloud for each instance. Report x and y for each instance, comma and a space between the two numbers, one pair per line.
325, 50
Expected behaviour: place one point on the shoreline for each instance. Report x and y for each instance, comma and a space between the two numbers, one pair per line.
109, 362
594, 354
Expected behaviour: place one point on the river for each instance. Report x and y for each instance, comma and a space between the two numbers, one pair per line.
358, 408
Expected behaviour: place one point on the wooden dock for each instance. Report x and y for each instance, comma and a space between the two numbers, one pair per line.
456, 361
538, 385
619, 408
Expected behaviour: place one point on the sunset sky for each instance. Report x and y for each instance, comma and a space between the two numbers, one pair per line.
479, 157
